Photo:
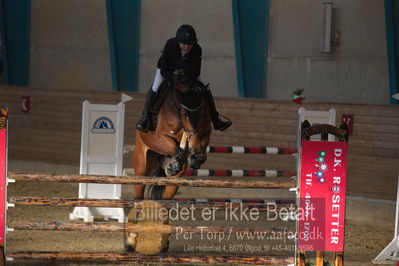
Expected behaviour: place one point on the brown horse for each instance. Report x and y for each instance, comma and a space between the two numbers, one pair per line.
182, 133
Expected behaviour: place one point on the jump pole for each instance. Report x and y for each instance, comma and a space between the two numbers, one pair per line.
170, 258
135, 180
237, 149
229, 172
261, 205
138, 228
3, 184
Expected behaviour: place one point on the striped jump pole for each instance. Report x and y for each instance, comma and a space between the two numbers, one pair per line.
3, 185
229, 172
240, 173
256, 150
237, 149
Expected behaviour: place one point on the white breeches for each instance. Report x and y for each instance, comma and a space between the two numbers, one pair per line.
158, 79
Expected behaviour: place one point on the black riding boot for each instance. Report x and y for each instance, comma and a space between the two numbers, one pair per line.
218, 123
144, 123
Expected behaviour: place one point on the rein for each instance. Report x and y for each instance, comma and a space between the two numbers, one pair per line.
192, 110
192, 132
179, 106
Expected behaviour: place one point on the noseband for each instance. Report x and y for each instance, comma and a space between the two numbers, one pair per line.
192, 132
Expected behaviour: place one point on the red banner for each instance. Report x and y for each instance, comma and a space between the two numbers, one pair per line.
321, 213
3, 141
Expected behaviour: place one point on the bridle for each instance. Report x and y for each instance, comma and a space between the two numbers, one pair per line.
179, 106
192, 132
192, 110
187, 133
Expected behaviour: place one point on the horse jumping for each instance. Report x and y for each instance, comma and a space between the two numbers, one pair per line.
182, 130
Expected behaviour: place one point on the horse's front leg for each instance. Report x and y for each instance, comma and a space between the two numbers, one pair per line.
175, 165
197, 159
170, 191
175, 168
197, 147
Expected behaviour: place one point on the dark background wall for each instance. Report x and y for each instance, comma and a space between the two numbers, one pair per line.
78, 45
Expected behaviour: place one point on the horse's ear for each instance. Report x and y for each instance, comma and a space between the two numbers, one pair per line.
203, 88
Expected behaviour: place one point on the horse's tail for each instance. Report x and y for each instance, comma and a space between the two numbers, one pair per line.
154, 191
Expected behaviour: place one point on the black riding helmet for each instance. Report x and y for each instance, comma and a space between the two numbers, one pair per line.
186, 35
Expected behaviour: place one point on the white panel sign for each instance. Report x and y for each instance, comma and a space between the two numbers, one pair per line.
101, 154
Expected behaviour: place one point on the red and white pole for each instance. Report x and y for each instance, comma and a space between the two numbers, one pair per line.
3, 185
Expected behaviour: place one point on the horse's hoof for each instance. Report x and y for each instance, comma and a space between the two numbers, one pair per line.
129, 249
131, 244
196, 160
172, 169
166, 248
146, 243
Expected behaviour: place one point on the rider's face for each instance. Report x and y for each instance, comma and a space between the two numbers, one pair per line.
186, 48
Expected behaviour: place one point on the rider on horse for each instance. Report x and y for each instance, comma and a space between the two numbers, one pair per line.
180, 52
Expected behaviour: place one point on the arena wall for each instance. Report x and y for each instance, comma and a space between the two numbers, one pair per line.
51, 132
69, 47
356, 69
72, 52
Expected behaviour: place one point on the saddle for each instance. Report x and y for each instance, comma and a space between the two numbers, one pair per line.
163, 90
160, 96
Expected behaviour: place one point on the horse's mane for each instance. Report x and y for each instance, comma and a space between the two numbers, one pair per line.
188, 99
167, 90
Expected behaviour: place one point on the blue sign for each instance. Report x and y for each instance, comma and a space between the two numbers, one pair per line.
103, 125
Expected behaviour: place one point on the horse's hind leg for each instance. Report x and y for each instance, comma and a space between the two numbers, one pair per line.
170, 191
155, 191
